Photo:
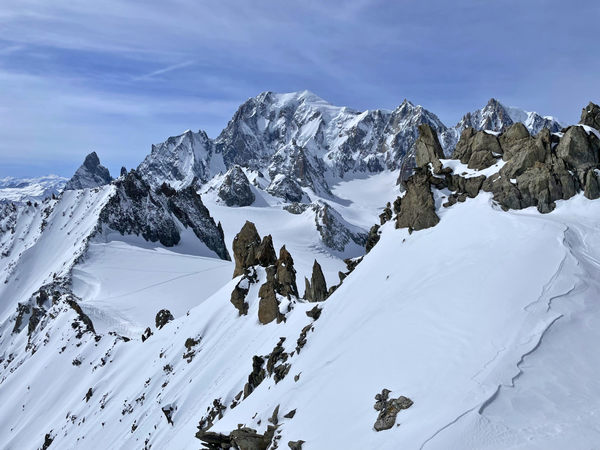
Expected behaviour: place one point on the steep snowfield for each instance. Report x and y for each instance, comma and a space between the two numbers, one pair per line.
124, 284
485, 321
34, 257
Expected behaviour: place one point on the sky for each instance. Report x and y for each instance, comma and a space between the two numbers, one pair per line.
116, 76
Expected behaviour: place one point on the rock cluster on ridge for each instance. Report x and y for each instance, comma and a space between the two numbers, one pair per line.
532, 170
249, 254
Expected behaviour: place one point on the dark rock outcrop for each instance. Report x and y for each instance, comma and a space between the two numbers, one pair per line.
265, 253
90, 174
316, 288
389, 409
163, 317
590, 116
477, 150
288, 189
428, 149
268, 306
373, 238
257, 375
250, 251
235, 189
286, 274
579, 149
243, 439
245, 244
155, 214
417, 209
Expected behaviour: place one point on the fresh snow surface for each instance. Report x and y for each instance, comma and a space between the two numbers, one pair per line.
124, 285
464, 171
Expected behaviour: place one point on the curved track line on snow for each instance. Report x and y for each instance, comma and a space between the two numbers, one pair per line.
161, 283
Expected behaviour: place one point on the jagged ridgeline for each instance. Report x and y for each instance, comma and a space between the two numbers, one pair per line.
296, 141
520, 170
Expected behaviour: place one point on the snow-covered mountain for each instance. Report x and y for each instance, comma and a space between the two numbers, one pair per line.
297, 140
467, 326
497, 117
300, 142
21, 190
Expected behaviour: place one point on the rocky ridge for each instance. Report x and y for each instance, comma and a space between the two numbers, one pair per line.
90, 174
520, 170
136, 208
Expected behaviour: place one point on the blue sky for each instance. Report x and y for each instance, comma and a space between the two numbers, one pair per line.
116, 76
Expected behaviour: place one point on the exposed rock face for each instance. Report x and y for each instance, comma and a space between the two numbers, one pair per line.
373, 238
250, 251
243, 439
268, 306
578, 149
316, 288
265, 253
538, 172
180, 160
286, 274
163, 317
136, 209
235, 189
335, 232
245, 244
417, 209
90, 174
590, 116
257, 375
477, 149
287, 189
389, 409
428, 148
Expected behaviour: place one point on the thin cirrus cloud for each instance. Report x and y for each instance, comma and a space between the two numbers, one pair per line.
165, 70
115, 77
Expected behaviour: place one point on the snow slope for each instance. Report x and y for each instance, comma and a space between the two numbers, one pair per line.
484, 321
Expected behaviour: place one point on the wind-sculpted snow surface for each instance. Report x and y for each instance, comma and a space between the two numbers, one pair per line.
478, 320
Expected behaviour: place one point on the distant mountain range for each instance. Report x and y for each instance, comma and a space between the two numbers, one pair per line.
298, 141
30, 189
295, 143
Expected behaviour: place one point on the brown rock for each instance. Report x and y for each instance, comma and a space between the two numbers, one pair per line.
244, 247
590, 116
428, 149
286, 274
316, 289
418, 207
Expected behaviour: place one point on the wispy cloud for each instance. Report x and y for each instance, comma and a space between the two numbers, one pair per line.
82, 76
165, 70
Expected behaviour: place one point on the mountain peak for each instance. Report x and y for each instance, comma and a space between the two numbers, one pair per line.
89, 175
